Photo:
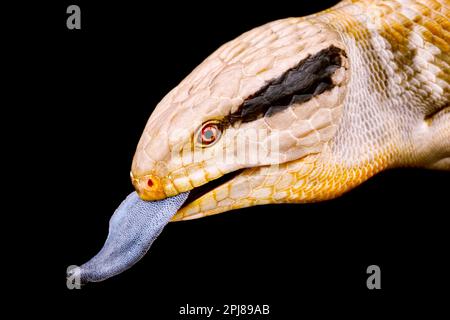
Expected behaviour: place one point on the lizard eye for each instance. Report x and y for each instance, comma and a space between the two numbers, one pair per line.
209, 133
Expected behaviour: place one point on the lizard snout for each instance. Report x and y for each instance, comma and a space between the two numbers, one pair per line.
148, 187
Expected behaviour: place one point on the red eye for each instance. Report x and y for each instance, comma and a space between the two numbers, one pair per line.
209, 133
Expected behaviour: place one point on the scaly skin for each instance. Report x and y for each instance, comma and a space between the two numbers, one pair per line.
389, 107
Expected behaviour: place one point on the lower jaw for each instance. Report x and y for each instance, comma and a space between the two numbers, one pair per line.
201, 201
201, 207
193, 211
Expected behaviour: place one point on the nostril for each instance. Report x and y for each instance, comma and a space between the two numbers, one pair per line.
150, 187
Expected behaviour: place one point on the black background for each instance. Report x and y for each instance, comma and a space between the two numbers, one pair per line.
101, 83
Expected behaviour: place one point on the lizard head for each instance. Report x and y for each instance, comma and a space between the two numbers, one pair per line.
245, 128
242, 127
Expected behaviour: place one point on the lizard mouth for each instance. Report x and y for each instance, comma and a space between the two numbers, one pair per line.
202, 190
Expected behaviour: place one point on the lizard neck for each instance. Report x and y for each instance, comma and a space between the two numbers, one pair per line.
399, 60
399, 56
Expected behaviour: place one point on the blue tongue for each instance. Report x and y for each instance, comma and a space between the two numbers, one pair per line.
132, 229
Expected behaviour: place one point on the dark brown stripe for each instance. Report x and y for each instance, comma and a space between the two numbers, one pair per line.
311, 77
